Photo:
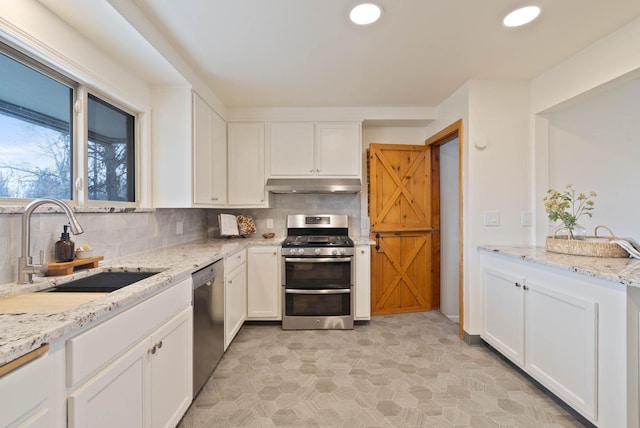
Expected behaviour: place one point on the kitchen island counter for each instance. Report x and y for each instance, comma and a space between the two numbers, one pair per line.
22, 333
621, 270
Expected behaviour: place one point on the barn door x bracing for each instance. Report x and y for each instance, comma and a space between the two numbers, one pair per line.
404, 215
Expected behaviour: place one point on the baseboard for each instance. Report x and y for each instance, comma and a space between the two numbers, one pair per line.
454, 318
472, 339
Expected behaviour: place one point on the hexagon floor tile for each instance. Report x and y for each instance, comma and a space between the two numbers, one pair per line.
406, 370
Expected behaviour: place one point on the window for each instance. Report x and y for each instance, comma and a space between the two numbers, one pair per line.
38, 156
110, 152
36, 128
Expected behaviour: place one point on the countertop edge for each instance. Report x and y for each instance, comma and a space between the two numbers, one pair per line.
22, 333
624, 271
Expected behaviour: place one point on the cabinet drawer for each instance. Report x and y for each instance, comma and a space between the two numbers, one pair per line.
91, 350
235, 260
24, 391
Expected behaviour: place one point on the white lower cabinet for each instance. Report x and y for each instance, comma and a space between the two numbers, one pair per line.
24, 395
235, 295
148, 386
135, 369
568, 331
171, 370
264, 299
549, 333
561, 344
362, 282
115, 397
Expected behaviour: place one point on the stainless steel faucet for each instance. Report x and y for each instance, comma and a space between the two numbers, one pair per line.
26, 268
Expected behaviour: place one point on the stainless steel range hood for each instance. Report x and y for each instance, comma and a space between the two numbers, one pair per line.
313, 185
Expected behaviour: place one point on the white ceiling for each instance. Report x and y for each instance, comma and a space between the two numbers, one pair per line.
305, 53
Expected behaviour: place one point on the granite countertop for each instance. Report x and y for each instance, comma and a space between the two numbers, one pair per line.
621, 270
22, 333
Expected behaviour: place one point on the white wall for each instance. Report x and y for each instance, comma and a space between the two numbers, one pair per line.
586, 106
449, 230
594, 146
494, 179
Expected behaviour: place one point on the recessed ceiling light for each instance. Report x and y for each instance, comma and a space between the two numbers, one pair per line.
521, 16
365, 13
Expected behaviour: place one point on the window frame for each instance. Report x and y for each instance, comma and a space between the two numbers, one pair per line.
79, 133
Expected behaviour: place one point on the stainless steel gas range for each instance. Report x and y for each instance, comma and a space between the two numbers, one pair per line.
317, 273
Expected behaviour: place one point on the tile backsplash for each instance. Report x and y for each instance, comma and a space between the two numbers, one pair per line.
109, 234
116, 234
285, 204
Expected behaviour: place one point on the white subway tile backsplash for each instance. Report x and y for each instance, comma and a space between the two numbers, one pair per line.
110, 234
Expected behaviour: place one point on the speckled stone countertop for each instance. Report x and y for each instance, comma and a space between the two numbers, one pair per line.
22, 333
622, 270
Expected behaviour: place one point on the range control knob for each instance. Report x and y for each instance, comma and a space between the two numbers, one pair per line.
300, 251
292, 251
317, 251
334, 252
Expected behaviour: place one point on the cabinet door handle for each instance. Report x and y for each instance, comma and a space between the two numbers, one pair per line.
159, 344
152, 350
525, 288
517, 284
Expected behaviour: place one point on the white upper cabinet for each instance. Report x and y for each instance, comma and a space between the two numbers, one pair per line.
291, 149
338, 149
246, 165
209, 155
314, 149
189, 150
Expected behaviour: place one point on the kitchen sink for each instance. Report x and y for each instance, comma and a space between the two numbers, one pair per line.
103, 282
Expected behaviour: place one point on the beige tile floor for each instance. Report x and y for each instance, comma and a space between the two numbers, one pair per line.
406, 370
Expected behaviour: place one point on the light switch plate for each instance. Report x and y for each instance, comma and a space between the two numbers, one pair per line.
492, 218
269, 223
525, 218
179, 228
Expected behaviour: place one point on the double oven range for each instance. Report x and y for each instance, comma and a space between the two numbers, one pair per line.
317, 273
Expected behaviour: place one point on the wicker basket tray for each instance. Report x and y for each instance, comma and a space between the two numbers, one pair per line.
593, 246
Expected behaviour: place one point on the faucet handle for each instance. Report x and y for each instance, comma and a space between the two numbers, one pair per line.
41, 266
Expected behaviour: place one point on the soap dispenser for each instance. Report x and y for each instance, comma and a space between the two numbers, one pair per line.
65, 248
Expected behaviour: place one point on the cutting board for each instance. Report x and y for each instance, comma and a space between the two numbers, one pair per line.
67, 268
45, 303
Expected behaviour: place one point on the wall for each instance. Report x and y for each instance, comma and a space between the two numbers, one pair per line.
560, 100
594, 146
285, 204
496, 178
109, 234
449, 230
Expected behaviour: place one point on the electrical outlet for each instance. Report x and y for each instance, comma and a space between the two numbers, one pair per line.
179, 228
269, 223
525, 218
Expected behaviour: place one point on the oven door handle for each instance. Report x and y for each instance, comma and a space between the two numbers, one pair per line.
329, 291
318, 259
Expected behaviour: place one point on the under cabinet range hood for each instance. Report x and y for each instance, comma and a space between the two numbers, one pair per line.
313, 185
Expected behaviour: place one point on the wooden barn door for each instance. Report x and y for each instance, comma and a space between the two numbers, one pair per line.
404, 213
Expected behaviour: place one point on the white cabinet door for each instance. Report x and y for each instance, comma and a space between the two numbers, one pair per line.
202, 151
338, 149
235, 302
246, 165
263, 283
219, 161
504, 313
116, 396
561, 344
209, 155
363, 282
171, 370
24, 394
291, 149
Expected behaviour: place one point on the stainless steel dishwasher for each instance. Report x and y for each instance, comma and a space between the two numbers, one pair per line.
208, 322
